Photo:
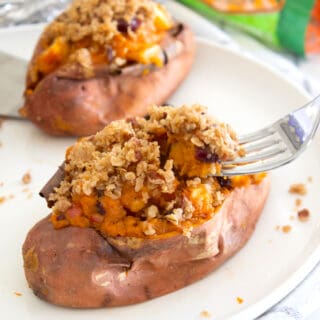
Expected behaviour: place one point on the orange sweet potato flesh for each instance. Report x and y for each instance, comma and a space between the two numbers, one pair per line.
77, 267
65, 102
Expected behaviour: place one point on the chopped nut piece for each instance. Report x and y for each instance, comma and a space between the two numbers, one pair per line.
298, 188
149, 230
175, 217
286, 228
303, 215
152, 212
26, 178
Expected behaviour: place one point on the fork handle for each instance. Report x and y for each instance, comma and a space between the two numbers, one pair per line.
303, 123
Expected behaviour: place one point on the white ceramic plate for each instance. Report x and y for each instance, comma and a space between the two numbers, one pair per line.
237, 90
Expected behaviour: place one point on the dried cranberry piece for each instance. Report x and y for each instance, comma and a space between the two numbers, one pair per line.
206, 155
100, 208
60, 217
224, 182
122, 25
135, 24
100, 193
109, 53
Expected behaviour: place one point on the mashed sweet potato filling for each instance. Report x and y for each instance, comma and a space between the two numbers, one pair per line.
103, 32
148, 177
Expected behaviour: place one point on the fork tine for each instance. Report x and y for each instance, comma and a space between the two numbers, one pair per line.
252, 168
254, 136
259, 156
259, 145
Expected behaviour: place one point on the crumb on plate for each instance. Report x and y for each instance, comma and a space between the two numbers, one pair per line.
26, 178
303, 215
239, 300
286, 229
205, 314
277, 227
298, 202
18, 294
298, 188
1, 183
2, 199
25, 190
310, 179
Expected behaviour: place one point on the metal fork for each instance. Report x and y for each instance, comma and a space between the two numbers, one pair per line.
277, 144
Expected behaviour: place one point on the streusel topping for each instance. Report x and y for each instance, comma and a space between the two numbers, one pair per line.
136, 164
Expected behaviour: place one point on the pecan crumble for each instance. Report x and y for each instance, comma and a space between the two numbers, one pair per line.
142, 176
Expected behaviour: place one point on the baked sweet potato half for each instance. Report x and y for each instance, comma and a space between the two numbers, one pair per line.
104, 60
130, 221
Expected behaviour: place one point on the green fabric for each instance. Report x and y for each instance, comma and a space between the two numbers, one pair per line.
280, 29
262, 25
293, 23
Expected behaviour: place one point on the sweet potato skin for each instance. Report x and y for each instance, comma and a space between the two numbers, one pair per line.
79, 268
65, 104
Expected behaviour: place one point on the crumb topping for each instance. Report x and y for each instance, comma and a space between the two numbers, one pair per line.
115, 33
298, 202
205, 314
240, 300
130, 165
298, 188
286, 228
26, 178
303, 215
102, 20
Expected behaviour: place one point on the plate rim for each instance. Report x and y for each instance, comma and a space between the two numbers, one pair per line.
301, 273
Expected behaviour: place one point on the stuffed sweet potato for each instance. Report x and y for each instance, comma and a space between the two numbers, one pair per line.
131, 221
104, 60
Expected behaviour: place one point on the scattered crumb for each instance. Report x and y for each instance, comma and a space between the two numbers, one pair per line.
1, 184
239, 300
278, 227
310, 179
298, 202
303, 215
18, 294
29, 195
26, 179
2, 199
205, 314
25, 190
286, 228
11, 196
292, 217
298, 188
